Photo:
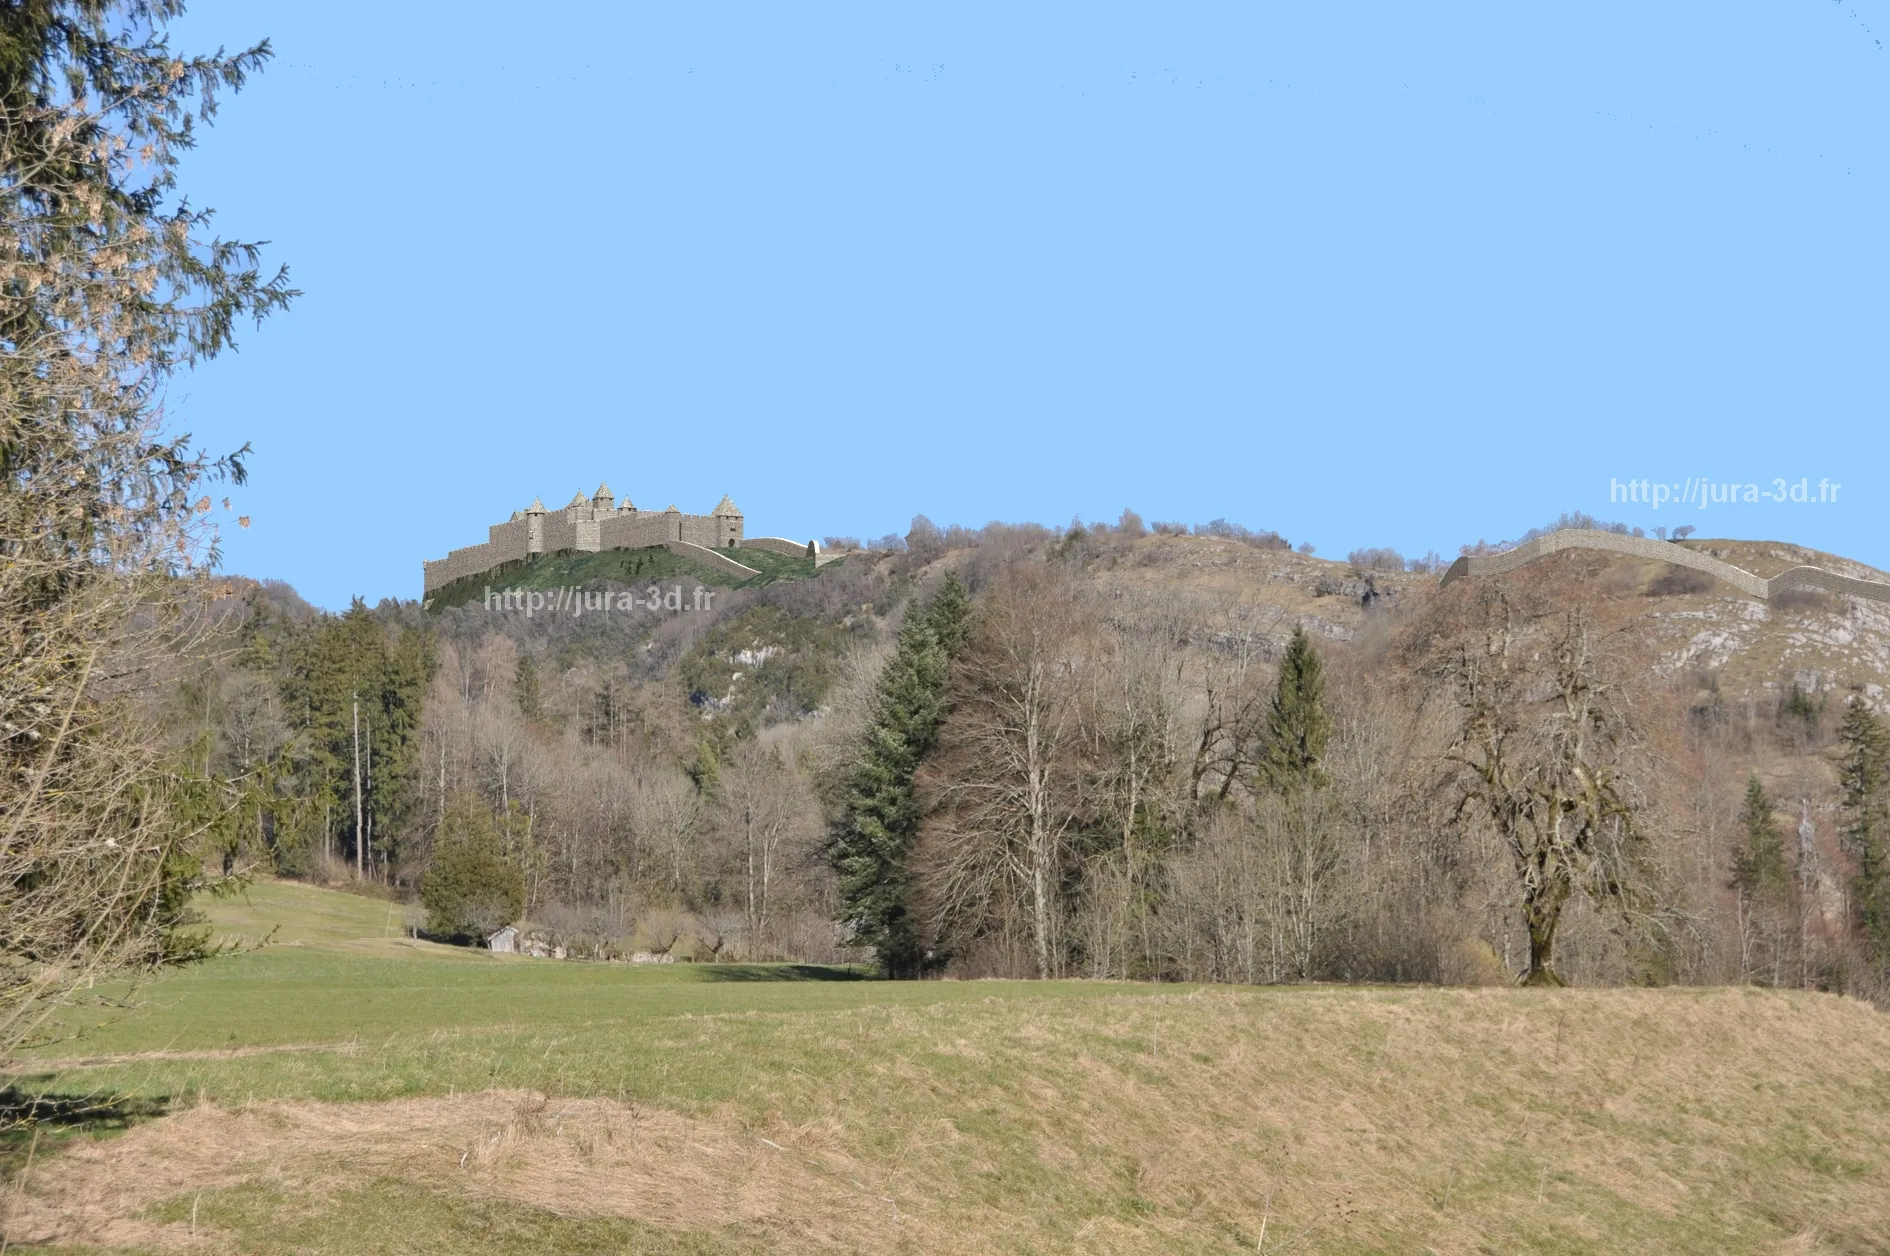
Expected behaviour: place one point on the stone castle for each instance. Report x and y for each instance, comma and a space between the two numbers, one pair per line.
599, 522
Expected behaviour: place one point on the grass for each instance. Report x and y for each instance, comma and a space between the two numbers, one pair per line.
356, 1093
629, 567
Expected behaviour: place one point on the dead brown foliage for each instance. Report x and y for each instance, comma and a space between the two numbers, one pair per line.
573, 1157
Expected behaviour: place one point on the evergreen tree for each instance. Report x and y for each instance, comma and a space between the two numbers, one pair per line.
949, 615
1865, 779
1297, 726
470, 888
873, 840
348, 666
113, 283
527, 689
705, 770
1759, 871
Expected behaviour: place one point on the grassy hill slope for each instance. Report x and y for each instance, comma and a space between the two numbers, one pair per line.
354, 1094
631, 567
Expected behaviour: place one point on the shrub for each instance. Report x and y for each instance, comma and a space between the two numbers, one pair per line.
470, 888
1383, 558
1679, 581
1802, 600
1247, 536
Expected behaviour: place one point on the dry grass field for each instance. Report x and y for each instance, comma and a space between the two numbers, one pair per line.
424, 1102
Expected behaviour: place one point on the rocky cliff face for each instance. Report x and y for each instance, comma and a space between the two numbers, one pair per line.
1698, 626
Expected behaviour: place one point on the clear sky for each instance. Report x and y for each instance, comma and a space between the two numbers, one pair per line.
1366, 274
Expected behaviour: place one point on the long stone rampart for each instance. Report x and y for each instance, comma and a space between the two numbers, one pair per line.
715, 558
779, 545
1666, 552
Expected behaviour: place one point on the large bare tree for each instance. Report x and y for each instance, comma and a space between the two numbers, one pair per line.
1540, 756
1009, 776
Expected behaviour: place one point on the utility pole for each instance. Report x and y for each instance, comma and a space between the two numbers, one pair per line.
367, 772
360, 864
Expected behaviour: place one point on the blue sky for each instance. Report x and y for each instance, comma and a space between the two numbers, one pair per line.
1368, 274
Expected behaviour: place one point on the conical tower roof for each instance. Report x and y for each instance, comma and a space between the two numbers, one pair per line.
603, 491
579, 500
727, 506
537, 507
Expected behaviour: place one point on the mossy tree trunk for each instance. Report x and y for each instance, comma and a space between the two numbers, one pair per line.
1539, 758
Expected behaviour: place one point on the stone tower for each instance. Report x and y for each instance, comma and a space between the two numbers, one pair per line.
535, 527
728, 524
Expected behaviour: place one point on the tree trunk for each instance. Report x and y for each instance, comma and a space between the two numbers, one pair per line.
1541, 913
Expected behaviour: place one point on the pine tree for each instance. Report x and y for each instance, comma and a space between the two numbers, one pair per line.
949, 615
333, 663
873, 839
1759, 871
527, 689
1865, 780
1297, 726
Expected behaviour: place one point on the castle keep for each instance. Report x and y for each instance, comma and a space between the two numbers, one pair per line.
599, 522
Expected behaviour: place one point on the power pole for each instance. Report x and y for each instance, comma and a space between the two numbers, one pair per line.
367, 773
360, 863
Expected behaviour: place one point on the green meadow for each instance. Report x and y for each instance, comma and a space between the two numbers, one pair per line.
329, 1085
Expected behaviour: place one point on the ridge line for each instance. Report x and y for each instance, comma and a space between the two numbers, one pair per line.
1800, 577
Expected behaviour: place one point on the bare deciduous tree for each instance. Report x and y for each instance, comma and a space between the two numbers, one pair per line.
1539, 757
1008, 774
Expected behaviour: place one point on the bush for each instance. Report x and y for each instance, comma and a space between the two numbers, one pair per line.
1264, 539
470, 888
1678, 582
1801, 600
1382, 558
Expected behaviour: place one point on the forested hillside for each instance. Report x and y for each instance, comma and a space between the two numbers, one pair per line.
1096, 751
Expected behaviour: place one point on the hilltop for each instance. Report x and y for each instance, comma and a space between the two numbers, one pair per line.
623, 568
1820, 642
1690, 621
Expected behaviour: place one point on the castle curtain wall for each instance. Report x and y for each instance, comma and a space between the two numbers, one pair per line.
583, 528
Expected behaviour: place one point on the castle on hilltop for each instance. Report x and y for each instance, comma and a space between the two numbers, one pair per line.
600, 522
